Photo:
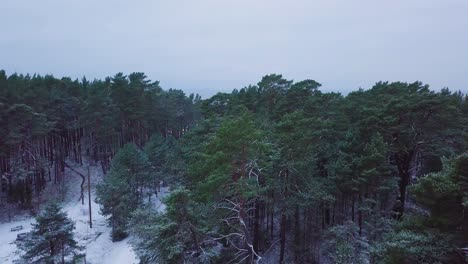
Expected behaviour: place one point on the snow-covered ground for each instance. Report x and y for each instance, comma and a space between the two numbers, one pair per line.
99, 248
156, 200
7, 248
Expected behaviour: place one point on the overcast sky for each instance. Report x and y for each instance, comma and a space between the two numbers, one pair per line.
207, 46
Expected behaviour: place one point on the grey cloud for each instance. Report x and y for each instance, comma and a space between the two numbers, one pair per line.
206, 46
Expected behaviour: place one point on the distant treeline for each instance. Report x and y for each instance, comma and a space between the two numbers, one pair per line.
45, 120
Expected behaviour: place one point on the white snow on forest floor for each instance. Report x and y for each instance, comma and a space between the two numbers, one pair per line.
99, 248
156, 200
7, 248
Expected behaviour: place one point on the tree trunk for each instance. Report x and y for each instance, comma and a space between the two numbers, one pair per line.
89, 200
256, 232
282, 238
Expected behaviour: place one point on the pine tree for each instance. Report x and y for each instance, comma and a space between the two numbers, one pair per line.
164, 157
167, 237
51, 238
124, 188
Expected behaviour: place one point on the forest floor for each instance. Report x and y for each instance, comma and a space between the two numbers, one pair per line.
99, 248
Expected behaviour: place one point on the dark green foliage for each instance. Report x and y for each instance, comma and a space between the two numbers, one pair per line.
164, 156
444, 194
345, 246
407, 247
51, 238
45, 121
460, 174
166, 237
278, 166
124, 188
271, 88
321, 160
226, 156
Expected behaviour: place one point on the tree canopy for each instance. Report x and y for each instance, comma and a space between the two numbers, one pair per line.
277, 172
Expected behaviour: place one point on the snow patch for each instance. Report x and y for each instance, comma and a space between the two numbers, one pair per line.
99, 247
7, 238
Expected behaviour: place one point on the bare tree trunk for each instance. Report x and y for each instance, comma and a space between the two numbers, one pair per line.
89, 199
282, 238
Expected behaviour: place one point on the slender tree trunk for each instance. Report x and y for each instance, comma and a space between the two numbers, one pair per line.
403, 184
297, 234
282, 238
89, 200
256, 232
360, 214
272, 217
